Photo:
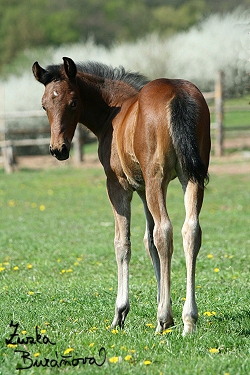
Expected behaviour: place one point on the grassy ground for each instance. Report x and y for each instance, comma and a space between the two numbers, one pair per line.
58, 272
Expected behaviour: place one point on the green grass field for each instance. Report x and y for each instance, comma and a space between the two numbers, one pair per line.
58, 272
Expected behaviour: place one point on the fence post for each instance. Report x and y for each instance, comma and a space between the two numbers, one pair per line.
219, 114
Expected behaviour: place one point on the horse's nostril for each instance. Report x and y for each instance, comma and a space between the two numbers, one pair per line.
51, 151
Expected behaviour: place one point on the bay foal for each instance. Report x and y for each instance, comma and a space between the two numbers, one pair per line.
149, 132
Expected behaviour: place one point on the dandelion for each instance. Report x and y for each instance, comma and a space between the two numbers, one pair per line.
147, 362
16, 268
12, 203
36, 354
216, 269
209, 313
69, 270
128, 357
149, 325
114, 331
214, 350
113, 359
23, 332
63, 271
76, 264
31, 293
91, 344
167, 331
43, 331
210, 256
67, 351
46, 323
2, 269
6, 263
29, 266
41, 207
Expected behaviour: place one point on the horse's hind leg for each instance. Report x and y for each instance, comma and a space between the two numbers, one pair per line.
191, 232
163, 241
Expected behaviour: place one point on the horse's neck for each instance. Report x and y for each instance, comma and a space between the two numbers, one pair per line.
115, 93
102, 99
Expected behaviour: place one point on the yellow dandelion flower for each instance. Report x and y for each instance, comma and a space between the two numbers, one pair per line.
198, 286
69, 270
91, 344
147, 362
167, 331
41, 207
107, 327
63, 271
132, 351
46, 323
111, 289
76, 264
113, 359
214, 350
112, 346
12, 203
16, 268
2, 269
183, 298
29, 266
36, 354
210, 256
43, 331
128, 357
216, 269
31, 293
67, 351
114, 331
150, 325
6, 263
23, 332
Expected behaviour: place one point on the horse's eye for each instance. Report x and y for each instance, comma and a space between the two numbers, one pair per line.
73, 104
43, 108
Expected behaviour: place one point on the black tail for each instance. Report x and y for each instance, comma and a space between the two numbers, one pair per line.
184, 116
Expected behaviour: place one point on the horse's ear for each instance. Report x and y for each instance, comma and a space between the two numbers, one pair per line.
38, 72
70, 67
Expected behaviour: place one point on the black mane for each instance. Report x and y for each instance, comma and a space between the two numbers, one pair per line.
136, 80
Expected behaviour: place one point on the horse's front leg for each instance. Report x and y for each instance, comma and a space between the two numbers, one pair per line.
120, 200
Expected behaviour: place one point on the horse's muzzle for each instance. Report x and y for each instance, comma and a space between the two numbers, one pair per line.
60, 154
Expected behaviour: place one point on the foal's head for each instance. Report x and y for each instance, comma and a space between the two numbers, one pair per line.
61, 103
